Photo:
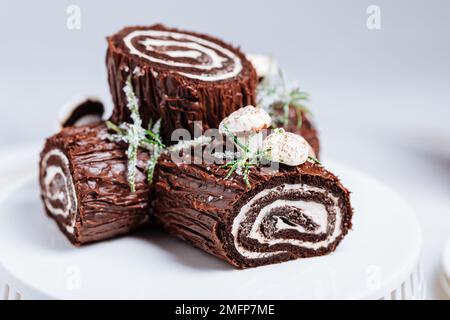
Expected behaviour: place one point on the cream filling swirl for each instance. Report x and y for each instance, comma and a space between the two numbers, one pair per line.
64, 194
316, 211
195, 47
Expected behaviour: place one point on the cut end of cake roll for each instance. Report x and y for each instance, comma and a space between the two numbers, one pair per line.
187, 54
180, 76
84, 186
58, 189
295, 212
303, 212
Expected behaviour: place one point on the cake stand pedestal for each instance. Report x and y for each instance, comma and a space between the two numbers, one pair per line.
379, 259
445, 273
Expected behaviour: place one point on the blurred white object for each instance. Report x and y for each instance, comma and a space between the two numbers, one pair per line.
264, 65
445, 276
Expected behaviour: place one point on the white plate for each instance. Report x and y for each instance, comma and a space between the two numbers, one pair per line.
375, 258
17, 162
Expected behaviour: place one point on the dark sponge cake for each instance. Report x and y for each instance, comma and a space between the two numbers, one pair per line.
295, 212
84, 187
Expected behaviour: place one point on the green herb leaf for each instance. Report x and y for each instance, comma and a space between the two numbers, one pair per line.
234, 165
286, 113
244, 161
235, 139
314, 160
113, 127
137, 137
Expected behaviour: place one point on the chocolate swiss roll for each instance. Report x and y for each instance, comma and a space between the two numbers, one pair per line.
295, 212
84, 187
179, 77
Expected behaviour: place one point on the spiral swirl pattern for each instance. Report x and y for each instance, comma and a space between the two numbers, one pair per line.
58, 189
189, 55
287, 218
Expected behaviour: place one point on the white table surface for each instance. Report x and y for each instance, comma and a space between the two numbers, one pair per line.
381, 98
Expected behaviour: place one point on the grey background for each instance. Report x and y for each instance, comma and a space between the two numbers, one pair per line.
380, 98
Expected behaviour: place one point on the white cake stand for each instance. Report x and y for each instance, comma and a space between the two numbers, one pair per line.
445, 274
379, 259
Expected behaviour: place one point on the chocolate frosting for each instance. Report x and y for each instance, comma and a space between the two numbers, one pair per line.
167, 90
196, 203
106, 207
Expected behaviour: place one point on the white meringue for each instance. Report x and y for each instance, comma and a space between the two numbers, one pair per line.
263, 64
287, 148
246, 124
246, 120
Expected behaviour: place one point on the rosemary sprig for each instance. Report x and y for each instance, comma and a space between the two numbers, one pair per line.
158, 148
314, 160
297, 98
235, 139
275, 94
137, 137
243, 161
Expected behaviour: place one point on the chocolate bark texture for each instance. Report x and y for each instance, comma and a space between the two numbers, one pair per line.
84, 187
179, 76
291, 213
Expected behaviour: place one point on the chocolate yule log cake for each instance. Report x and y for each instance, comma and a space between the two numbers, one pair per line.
251, 191
84, 187
180, 77
301, 211
250, 216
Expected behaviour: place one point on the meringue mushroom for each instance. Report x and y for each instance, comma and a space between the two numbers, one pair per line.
263, 64
246, 120
81, 111
247, 124
287, 148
